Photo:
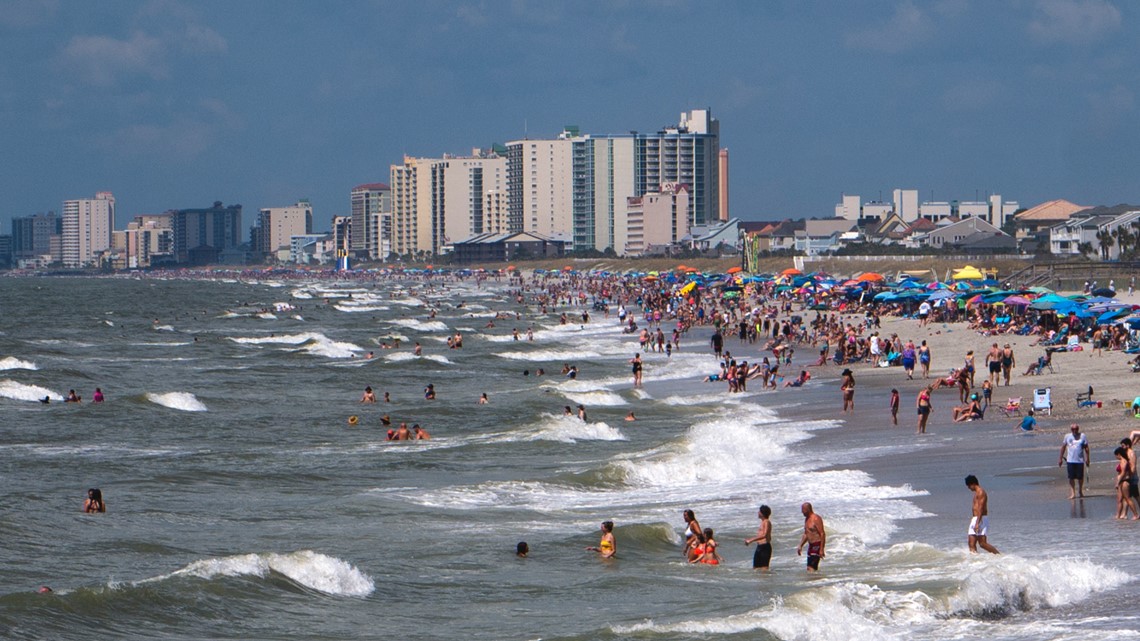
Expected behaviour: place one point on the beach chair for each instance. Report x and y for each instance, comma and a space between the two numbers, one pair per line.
1043, 400
1085, 399
1012, 407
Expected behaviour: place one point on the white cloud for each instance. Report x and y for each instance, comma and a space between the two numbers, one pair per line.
186, 136
1073, 21
102, 60
907, 28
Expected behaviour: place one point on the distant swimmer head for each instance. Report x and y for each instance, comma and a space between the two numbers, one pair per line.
45, 590
522, 549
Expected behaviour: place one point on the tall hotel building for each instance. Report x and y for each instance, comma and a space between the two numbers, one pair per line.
437, 201
276, 226
87, 226
370, 235
581, 184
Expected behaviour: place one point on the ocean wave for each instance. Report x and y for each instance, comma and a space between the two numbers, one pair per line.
549, 355
361, 308
313, 343
266, 316
594, 398
312, 570
405, 356
994, 587
184, 401
164, 328
569, 429
21, 392
419, 325
10, 362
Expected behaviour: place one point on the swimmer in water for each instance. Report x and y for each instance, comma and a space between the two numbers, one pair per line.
483, 399
566, 411
522, 549
429, 392
385, 421
607, 547
369, 396
403, 434
630, 417
72, 397
582, 413
94, 501
98, 396
421, 433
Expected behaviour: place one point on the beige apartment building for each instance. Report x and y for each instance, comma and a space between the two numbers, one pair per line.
87, 227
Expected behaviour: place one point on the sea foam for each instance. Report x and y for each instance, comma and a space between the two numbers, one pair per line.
21, 392
10, 362
184, 401
312, 570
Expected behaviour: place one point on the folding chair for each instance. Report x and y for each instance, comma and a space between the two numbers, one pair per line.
1043, 400
1012, 408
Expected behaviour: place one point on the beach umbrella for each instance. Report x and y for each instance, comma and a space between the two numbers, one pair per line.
870, 277
942, 294
1040, 290
791, 271
1016, 300
734, 270
1104, 291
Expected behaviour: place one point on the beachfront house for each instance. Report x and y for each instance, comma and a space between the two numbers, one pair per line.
1095, 232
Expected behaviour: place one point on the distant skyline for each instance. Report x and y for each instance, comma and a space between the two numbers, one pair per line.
177, 104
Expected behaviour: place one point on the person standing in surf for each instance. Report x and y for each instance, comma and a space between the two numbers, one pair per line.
607, 547
815, 537
763, 555
980, 519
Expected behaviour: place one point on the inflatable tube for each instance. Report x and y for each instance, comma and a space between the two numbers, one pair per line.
353, 420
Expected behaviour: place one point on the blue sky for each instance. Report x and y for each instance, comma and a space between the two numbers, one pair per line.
176, 104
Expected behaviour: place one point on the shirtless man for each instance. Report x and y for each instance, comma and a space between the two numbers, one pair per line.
420, 433
814, 536
763, 555
980, 520
993, 361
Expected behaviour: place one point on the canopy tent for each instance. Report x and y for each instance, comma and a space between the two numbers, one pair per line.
967, 273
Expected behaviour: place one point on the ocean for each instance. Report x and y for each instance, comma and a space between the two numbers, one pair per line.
241, 504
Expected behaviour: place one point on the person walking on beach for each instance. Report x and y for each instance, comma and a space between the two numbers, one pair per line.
980, 520
847, 386
924, 408
1007, 362
607, 547
763, 555
815, 537
894, 407
924, 359
1075, 456
993, 361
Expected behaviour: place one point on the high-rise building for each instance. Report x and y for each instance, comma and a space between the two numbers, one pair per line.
606, 170
148, 239
31, 235
438, 201
371, 230
722, 186
270, 238
203, 236
540, 176
87, 227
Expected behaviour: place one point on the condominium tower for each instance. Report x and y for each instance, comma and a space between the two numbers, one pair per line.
370, 235
87, 227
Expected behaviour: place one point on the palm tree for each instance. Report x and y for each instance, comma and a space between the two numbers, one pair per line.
1104, 238
1124, 240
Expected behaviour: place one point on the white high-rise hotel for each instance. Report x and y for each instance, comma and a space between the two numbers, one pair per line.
574, 187
87, 226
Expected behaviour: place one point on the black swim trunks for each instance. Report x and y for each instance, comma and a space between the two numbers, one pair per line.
995, 367
763, 555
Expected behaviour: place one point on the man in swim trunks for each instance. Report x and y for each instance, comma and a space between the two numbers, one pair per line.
1075, 456
993, 360
980, 520
763, 555
814, 537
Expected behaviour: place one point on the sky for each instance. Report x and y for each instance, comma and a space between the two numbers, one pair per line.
173, 104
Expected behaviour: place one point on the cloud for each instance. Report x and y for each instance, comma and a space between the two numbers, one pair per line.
21, 14
1073, 21
101, 60
907, 28
185, 137
472, 15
